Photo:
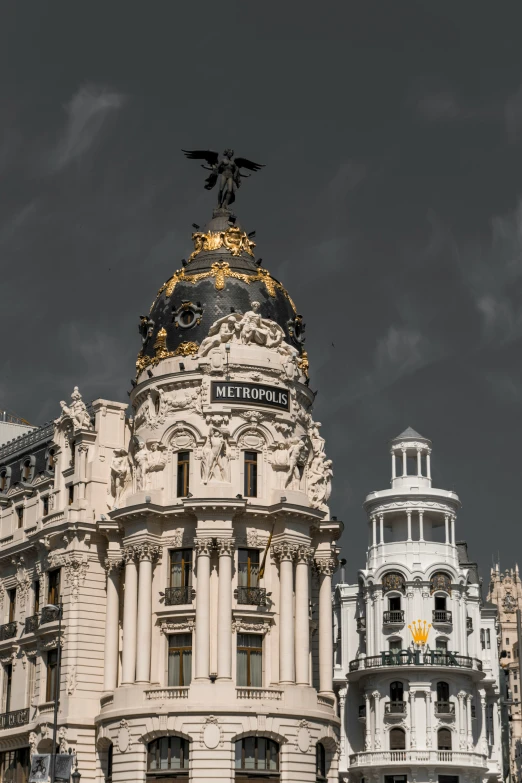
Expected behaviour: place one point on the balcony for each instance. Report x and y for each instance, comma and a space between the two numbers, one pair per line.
252, 596
11, 720
174, 692
415, 658
361, 624
31, 624
48, 615
394, 617
435, 757
174, 596
260, 694
8, 631
395, 708
446, 708
441, 617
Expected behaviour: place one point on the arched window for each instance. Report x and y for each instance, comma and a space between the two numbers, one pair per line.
256, 754
396, 691
397, 739
108, 773
444, 739
320, 763
442, 691
167, 753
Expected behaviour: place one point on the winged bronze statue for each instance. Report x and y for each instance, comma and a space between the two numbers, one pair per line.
225, 171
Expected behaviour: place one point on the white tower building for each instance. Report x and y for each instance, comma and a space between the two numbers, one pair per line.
417, 661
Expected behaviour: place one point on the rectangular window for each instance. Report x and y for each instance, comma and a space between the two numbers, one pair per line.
250, 660
11, 597
448, 779
482, 639
53, 593
507, 641
6, 692
14, 765
395, 779
52, 671
515, 688
250, 474
45, 505
31, 680
19, 516
36, 596
183, 473
515, 675
180, 568
488, 639
248, 567
70, 490
180, 659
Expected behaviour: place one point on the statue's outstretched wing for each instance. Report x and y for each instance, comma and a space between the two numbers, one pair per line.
244, 163
209, 155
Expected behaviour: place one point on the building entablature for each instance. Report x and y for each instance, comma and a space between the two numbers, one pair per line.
390, 501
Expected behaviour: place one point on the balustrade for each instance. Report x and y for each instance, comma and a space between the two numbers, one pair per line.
179, 595
10, 720
8, 631
395, 707
415, 658
444, 708
252, 596
31, 624
442, 616
393, 617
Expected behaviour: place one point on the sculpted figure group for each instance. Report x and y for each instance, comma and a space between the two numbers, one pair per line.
77, 412
248, 329
145, 465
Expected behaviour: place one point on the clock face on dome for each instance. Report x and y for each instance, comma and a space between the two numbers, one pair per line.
509, 603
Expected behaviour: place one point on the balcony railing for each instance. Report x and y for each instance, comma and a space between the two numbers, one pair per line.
442, 616
394, 617
395, 707
469, 623
48, 615
31, 624
415, 658
178, 595
361, 623
252, 596
260, 694
174, 692
8, 631
381, 757
444, 708
10, 720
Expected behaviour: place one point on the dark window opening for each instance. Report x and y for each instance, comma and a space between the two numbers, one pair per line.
45, 505
249, 660
444, 739
257, 754
53, 593
11, 597
180, 568
248, 567
394, 603
8, 682
440, 603
396, 691
168, 753
36, 594
442, 691
52, 671
70, 490
320, 763
110, 751
20, 516
250, 474
14, 765
183, 473
397, 739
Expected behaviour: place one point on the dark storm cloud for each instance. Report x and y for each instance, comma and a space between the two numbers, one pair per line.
389, 207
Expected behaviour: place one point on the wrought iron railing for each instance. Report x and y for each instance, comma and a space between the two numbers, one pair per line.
394, 617
252, 596
48, 615
178, 595
444, 708
8, 631
415, 658
441, 616
10, 720
395, 707
31, 624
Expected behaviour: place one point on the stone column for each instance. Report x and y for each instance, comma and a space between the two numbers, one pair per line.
461, 719
446, 528
82, 470
203, 548
394, 471
381, 528
408, 514
112, 628
413, 737
224, 626
428, 465
285, 553
429, 737
343, 761
146, 554
368, 737
374, 531
453, 530
470, 729
325, 567
130, 614
483, 733
421, 525
378, 720
302, 620
419, 464
404, 463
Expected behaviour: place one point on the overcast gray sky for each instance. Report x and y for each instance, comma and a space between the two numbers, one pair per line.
390, 206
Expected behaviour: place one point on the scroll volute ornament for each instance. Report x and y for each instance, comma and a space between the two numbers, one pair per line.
393, 581
440, 581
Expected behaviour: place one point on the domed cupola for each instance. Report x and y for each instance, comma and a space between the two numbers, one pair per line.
220, 277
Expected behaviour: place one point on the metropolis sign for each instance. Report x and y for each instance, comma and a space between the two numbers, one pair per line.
248, 393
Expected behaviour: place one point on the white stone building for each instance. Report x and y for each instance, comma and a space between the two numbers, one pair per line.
416, 664
191, 546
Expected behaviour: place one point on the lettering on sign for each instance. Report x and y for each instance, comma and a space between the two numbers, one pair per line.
248, 393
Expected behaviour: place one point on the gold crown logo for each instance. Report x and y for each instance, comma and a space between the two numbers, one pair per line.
419, 631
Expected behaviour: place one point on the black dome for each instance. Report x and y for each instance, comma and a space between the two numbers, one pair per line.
220, 277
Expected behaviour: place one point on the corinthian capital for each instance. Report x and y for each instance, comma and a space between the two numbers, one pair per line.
114, 561
147, 551
128, 554
284, 551
226, 546
203, 546
304, 554
325, 566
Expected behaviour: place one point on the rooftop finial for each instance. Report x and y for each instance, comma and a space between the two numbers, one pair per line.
225, 170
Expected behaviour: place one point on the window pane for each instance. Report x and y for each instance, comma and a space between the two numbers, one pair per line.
187, 667
164, 753
261, 753
175, 753
256, 669
242, 664
242, 576
274, 752
174, 667
239, 753
249, 753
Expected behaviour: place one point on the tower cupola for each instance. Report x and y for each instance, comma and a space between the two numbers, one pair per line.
411, 465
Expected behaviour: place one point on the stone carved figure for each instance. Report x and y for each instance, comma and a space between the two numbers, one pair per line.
145, 328
248, 329
182, 399
141, 458
297, 455
156, 461
214, 458
77, 412
219, 335
225, 171
320, 481
120, 477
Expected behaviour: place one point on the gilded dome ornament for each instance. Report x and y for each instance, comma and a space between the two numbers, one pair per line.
233, 239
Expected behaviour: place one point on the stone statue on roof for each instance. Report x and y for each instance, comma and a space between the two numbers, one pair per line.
225, 170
